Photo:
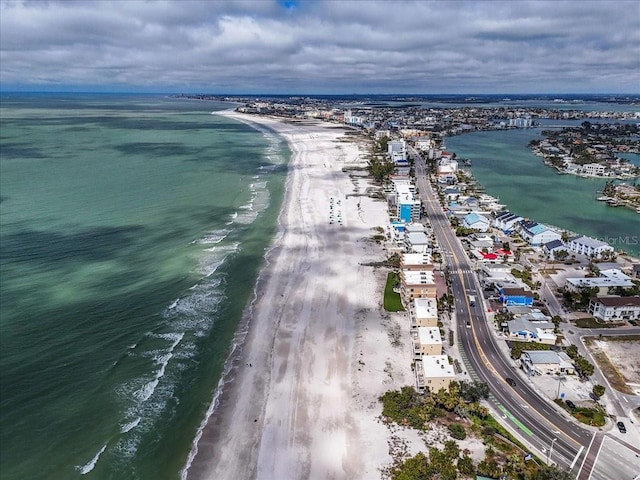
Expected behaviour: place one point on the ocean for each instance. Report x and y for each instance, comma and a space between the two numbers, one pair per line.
504, 165
132, 231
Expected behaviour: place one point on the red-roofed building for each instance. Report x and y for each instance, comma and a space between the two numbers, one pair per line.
493, 257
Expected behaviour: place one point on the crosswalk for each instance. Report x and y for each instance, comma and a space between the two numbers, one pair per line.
473, 376
462, 270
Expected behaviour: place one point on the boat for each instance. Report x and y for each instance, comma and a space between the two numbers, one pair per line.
603, 199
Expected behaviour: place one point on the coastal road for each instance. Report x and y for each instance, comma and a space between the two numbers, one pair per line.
548, 430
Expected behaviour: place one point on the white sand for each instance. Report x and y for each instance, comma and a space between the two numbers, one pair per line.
318, 340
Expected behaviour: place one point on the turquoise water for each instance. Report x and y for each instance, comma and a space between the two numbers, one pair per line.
132, 232
631, 157
504, 165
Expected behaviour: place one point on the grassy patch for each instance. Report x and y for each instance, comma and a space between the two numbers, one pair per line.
608, 369
588, 416
518, 347
591, 322
392, 301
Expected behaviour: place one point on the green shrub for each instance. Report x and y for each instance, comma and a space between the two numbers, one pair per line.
457, 431
403, 407
598, 390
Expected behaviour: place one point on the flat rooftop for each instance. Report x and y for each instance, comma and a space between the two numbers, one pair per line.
429, 336
437, 366
426, 307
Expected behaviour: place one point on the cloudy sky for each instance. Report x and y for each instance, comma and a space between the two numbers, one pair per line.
320, 46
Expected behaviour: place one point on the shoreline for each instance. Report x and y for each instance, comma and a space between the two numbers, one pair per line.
298, 401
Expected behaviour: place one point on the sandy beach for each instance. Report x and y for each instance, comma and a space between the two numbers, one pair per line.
303, 400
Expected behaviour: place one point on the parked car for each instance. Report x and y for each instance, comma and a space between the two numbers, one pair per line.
621, 427
571, 405
511, 381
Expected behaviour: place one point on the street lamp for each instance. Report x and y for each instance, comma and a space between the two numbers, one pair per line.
550, 450
560, 380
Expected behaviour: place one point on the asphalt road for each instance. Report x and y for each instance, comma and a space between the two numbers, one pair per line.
551, 433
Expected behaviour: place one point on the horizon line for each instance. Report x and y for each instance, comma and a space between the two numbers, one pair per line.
245, 94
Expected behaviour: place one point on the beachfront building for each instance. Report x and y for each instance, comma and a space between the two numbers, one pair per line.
417, 261
396, 231
416, 241
476, 221
397, 150
403, 168
404, 205
525, 330
506, 221
424, 313
588, 246
417, 284
351, 119
402, 184
434, 372
408, 208
546, 362
427, 341
614, 308
535, 233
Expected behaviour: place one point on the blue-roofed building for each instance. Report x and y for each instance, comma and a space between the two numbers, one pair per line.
506, 220
554, 246
516, 296
536, 233
476, 222
471, 202
451, 193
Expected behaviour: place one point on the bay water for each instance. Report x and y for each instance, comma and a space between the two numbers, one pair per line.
132, 232
504, 165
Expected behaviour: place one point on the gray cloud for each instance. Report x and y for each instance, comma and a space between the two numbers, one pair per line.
322, 46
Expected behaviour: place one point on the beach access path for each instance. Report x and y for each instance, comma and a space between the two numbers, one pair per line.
303, 402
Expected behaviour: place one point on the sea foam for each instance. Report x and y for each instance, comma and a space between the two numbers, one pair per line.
84, 469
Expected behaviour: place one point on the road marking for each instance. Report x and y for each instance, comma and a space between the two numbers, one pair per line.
518, 423
586, 455
573, 464
595, 461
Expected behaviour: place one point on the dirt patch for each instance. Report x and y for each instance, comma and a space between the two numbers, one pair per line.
619, 360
